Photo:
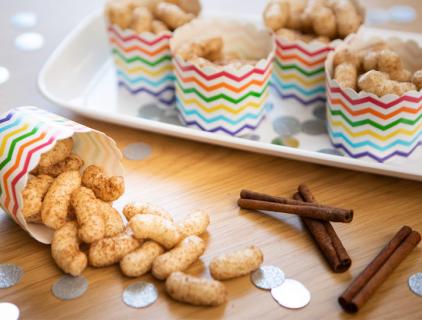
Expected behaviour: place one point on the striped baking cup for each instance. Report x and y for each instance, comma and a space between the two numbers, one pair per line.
143, 64
299, 71
28, 132
365, 126
222, 99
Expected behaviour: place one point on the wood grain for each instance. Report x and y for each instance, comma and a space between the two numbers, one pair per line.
183, 176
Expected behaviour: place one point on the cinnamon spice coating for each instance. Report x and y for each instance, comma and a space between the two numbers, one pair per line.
105, 188
33, 195
65, 249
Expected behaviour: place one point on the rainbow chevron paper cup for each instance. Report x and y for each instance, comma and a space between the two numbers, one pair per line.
143, 63
221, 99
299, 72
28, 132
365, 126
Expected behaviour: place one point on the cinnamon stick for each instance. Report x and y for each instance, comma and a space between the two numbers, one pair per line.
325, 236
362, 288
320, 213
248, 194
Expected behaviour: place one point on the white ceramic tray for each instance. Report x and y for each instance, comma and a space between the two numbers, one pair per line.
80, 77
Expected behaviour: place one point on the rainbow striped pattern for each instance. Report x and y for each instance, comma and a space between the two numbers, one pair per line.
217, 100
28, 132
299, 71
366, 126
143, 63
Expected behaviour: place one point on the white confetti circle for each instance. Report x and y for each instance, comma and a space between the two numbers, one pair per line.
267, 277
24, 20
291, 294
4, 74
9, 311
137, 151
140, 294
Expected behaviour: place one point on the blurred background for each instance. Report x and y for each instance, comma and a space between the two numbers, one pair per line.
31, 29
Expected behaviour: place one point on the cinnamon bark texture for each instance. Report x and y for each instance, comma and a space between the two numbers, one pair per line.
362, 288
325, 236
320, 213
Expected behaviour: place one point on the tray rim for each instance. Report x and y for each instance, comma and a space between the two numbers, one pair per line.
208, 137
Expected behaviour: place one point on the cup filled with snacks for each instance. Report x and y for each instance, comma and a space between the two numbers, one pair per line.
306, 31
43, 161
139, 32
374, 98
223, 70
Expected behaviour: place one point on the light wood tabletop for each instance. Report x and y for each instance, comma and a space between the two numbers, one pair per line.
183, 176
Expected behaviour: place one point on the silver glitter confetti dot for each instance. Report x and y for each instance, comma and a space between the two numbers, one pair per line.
140, 294
330, 151
10, 275
415, 283
137, 151
4, 75
286, 126
150, 111
29, 41
24, 20
68, 287
267, 277
320, 112
314, 127
291, 294
9, 311
250, 136
287, 141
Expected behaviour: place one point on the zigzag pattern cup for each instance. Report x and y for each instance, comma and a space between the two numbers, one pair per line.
365, 126
220, 99
28, 132
299, 71
143, 63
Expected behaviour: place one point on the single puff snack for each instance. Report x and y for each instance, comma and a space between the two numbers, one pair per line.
71, 163
196, 291
194, 224
346, 75
172, 15
55, 207
141, 20
113, 222
417, 79
236, 264
108, 251
276, 14
105, 188
89, 216
33, 195
134, 208
65, 249
139, 262
159, 229
179, 258
60, 151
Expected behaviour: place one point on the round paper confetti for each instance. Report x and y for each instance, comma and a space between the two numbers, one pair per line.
24, 20
330, 151
9, 311
4, 75
267, 277
286, 126
320, 112
314, 127
10, 275
140, 294
137, 151
415, 283
250, 136
287, 141
29, 41
150, 111
68, 287
291, 294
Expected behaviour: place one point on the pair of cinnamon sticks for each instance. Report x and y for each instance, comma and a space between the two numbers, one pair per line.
315, 216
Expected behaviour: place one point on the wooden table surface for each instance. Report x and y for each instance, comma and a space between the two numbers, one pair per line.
183, 176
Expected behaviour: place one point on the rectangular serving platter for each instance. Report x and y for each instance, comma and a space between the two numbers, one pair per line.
80, 77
